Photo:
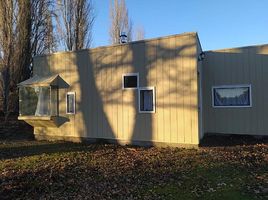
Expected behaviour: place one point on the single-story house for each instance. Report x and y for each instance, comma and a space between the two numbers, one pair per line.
163, 91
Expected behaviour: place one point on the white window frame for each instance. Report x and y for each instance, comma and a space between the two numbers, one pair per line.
232, 86
70, 113
147, 88
130, 74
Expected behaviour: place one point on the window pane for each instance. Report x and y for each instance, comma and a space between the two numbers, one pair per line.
142, 100
70, 103
237, 96
130, 81
146, 100
34, 101
54, 101
27, 100
43, 104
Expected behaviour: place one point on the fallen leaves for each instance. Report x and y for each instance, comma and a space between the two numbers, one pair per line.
64, 170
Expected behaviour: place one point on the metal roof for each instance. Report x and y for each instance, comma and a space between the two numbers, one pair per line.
41, 81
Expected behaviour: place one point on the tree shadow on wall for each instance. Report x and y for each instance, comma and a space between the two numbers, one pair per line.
91, 104
110, 63
105, 110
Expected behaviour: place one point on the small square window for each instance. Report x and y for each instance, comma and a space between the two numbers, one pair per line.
130, 81
147, 100
70, 103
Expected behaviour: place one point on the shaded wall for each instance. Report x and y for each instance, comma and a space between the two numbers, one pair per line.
200, 86
248, 65
104, 110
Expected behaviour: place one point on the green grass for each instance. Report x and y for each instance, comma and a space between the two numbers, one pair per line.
53, 170
218, 182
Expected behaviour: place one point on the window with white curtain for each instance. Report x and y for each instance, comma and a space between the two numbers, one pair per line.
147, 100
43, 103
231, 96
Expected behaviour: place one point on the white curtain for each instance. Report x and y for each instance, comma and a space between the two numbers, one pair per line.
43, 101
231, 96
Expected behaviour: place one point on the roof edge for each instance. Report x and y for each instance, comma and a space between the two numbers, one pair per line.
115, 45
241, 47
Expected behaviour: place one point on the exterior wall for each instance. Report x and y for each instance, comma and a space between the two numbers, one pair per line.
104, 110
246, 65
199, 83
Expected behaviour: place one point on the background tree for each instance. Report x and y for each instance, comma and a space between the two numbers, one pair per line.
25, 31
43, 38
75, 19
8, 15
139, 33
119, 21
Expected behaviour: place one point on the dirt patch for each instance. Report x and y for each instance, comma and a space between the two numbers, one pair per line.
14, 129
226, 140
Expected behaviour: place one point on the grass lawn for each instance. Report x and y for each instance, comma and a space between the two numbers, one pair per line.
58, 170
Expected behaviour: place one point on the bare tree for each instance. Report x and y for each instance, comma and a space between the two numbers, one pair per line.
43, 39
26, 30
22, 44
139, 33
119, 21
8, 33
24, 33
75, 19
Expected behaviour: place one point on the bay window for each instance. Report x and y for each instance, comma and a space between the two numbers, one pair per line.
38, 100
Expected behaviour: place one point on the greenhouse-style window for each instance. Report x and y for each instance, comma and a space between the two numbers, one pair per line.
38, 100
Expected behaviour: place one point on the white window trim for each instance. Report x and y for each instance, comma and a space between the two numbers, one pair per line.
232, 86
147, 88
130, 74
70, 113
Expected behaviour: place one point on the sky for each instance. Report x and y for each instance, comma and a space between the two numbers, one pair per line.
219, 23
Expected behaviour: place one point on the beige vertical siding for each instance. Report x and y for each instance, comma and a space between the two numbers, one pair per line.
246, 65
104, 110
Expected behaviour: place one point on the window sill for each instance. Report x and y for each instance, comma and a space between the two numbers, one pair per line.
40, 121
146, 111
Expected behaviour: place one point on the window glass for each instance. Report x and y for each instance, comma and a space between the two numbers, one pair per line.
146, 100
36, 101
130, 81
70, 103
54, 101
43, 103
231, 96
28, 99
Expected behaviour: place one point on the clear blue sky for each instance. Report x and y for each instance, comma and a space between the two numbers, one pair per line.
219, 23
